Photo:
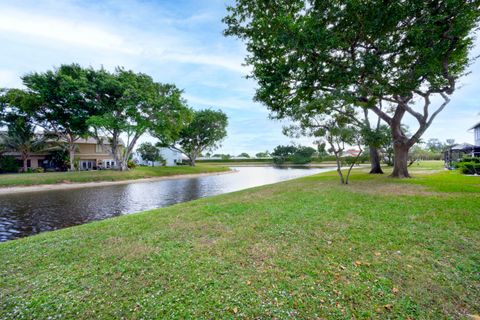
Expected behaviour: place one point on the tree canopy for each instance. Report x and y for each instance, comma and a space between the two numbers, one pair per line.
204, 132
360, 53
57, 101
131, 104
149, 152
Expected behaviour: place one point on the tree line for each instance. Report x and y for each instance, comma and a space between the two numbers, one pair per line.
117, 108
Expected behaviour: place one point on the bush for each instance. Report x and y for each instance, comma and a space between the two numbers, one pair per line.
469, 165
131, 164
8, 164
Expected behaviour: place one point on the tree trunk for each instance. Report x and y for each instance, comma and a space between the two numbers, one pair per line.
401, 145
400, 161
375, 161
25, 166
339, 168
71, 152
192, 162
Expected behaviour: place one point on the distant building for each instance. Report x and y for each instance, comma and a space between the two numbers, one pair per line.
456, 152
170, 157
351, 153
476, 134
89, 155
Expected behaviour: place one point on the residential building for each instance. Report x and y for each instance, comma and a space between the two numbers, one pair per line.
170, 157
458, 151
89, 155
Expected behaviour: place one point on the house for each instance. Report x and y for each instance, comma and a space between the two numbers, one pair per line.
93, 155
456, 152
351, 153
170, 157
89, 155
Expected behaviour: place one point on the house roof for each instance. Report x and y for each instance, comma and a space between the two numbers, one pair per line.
462, 146
475, 126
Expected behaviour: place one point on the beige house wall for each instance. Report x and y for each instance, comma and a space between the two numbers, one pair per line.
85, 152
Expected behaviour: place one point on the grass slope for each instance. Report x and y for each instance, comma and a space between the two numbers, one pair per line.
24, 179
306, 248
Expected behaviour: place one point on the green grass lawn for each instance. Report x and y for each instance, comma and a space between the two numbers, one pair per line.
307, 248
24, 179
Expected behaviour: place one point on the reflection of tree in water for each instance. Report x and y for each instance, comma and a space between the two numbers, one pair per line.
188, 189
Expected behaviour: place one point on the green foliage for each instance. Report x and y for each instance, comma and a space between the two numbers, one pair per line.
149, 152
469, 165
205, 131
59, 100
8, 164
265, 154
291, 153
310, 57
132, 104
21, 137
131, 164
281, 154
244, 155
303, 155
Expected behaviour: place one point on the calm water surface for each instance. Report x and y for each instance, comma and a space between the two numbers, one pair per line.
26, 214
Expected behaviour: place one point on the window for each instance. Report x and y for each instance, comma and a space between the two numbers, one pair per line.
98, 148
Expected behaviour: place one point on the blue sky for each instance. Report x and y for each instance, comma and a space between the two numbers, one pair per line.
177, 42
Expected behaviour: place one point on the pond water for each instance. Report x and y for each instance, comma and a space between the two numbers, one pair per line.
25, 214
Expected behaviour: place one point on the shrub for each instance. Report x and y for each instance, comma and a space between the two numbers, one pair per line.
131, 164
8, 164
469, 165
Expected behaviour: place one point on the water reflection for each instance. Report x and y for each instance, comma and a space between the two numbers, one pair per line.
30, 213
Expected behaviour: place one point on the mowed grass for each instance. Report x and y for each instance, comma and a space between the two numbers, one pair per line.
25, 179
304, 249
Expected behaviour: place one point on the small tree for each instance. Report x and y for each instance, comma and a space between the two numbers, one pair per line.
244, 155
149, 152
205, 132
265, 154
281, 154
21, 138
303, 155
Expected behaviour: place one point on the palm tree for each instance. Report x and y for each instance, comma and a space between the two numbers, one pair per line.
21, 138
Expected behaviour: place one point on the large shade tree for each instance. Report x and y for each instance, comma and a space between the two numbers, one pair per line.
57, 101
204, 132
363, 53
130, 104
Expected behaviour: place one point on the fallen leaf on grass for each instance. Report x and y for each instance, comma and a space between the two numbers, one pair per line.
248, 282
388, 306
474, 316
378, 254
358, 263
235, 310
395, 290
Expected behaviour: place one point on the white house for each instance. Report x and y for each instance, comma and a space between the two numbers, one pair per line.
171, 157
476, 134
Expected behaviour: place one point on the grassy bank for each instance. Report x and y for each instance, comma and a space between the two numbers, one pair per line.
305, 248
27, 179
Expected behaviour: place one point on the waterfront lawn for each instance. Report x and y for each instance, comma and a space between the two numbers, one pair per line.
24, 179
307, 248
